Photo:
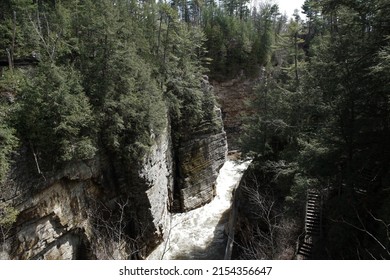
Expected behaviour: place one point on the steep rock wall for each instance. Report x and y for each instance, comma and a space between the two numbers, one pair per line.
200, 161
58, 217
158, 171
199, 154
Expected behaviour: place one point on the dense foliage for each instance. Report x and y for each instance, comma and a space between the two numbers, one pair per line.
81, 78
322, 123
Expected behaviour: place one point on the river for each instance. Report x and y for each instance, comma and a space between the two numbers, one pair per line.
199, 234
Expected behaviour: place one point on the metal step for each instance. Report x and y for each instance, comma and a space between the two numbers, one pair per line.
306, 246
304, 250
312, 228
313, 204
313, 215
304, 254
312, 224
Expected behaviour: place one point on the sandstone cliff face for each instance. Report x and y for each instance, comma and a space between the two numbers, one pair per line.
200, 161
232, 96
58, 218
54, 223
198, 158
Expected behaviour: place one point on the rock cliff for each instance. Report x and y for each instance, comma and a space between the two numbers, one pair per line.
200, 160
200, 151
69, 216
88, 210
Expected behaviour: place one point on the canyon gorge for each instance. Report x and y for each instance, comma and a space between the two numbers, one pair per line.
86, 211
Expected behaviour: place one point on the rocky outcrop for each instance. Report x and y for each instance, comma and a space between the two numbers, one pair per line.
232, 96
200, 161
55, 223
200, 150
58, 219
199, 157
159, 174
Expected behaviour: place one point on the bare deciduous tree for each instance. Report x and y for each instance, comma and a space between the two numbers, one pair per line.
109, 228
269, 234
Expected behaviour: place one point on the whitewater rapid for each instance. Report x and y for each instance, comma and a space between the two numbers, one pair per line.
199, 234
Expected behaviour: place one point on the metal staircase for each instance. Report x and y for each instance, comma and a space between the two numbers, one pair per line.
313, 224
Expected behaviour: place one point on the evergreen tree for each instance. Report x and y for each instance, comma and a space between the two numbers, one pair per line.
8, 139
55, 116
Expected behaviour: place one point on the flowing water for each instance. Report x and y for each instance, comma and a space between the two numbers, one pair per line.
199, 234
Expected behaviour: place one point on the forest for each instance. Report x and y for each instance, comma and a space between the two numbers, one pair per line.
81, 78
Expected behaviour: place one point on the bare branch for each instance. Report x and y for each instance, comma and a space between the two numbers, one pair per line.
270, 238
372, 256
109, 226
362, 228
36, 161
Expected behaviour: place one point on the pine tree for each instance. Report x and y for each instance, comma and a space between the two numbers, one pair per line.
56, 117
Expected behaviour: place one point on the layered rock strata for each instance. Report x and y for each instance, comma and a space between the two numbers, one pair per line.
63, 217
200, 161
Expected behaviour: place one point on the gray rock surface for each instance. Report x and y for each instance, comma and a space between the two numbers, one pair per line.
200, 161
56, 221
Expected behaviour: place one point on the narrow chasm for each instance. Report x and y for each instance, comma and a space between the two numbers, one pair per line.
200, 233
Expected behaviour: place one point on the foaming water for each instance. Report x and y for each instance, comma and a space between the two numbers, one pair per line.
199, 234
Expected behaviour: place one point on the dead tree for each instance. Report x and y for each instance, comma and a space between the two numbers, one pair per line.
266, 232
109, 226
